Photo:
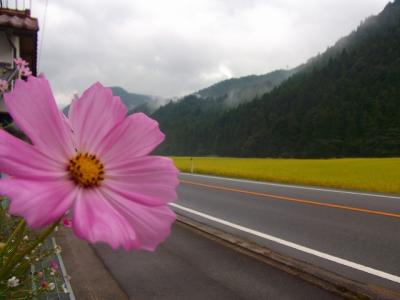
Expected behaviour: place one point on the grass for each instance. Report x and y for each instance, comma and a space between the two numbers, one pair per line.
363, 174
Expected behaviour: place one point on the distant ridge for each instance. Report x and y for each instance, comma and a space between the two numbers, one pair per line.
132, 101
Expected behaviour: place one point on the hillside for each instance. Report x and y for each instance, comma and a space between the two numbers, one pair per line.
244, 89
345, 102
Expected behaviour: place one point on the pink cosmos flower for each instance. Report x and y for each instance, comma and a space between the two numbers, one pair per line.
3, 85
94, 163
54, 264
22, 66
67, 222
24, 72
19, 62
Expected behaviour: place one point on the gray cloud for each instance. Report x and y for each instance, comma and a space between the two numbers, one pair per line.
170, 48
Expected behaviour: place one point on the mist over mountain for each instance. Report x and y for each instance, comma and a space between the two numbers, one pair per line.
138, 102
240, 90
131, 100
227, 93
343, 102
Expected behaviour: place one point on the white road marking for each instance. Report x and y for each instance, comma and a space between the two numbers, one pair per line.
298, 247
292, 186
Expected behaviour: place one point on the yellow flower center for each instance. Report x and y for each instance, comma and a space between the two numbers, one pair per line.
86, 170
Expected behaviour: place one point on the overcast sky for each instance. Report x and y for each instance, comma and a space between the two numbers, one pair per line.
174, 47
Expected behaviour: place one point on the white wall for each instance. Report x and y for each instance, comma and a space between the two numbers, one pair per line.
15, 41
6, 51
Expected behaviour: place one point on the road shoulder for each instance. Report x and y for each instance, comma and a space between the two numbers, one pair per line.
90, 279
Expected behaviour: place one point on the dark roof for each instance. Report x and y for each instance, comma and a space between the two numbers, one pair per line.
18, 19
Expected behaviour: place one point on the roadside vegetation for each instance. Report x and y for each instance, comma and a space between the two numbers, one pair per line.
363, 174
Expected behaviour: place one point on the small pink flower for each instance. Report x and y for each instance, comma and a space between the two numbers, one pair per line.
95, 163
19, 62
67, 222
54, 265
3, 85
22, 67
24, 72
40, 274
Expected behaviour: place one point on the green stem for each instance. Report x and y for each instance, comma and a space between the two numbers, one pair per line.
21, 224
13, 241
11, 264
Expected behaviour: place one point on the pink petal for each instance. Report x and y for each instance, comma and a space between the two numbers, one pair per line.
118, 222
137, 136
93, 115
41, 203
151, 224
150, 180
95, 220
33, 108
24, 161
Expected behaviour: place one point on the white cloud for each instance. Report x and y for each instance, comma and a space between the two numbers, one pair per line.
174, 47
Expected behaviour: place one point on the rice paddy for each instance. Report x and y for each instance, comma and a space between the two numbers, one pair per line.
363, 174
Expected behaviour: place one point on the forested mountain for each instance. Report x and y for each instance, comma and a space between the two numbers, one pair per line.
345, 102
244, 89
188, 124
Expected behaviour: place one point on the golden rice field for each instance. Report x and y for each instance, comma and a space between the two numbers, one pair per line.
363, 174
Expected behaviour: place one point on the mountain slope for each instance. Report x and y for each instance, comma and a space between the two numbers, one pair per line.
244, 89
345, 102
132, 100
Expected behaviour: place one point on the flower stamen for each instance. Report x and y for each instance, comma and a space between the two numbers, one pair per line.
86, 170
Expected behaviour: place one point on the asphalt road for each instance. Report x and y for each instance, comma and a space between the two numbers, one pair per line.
190, 266
353, 234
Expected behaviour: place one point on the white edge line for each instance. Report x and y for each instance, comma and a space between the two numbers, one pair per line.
291, 186
298, 247
64, 272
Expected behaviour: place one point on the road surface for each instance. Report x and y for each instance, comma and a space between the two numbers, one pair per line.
190, 266
353, 234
